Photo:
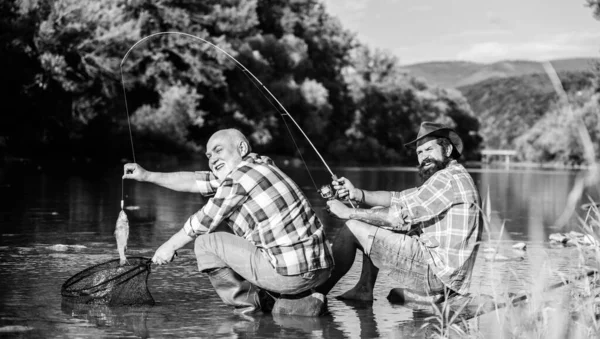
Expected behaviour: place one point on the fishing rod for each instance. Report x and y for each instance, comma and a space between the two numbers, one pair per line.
589, 179
326, 191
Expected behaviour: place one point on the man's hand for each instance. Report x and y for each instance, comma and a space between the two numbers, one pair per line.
344, 188
338, 209
164, 254
135, 172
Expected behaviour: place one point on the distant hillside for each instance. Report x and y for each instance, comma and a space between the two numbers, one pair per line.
460, 73
508, 107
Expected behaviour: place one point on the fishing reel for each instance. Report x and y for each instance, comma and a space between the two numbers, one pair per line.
328, 192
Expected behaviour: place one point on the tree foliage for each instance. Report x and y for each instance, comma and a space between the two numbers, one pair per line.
390, 107
65, 59
555, 137
595, 5
508, 107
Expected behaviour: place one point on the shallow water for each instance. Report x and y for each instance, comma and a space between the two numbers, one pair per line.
55, 226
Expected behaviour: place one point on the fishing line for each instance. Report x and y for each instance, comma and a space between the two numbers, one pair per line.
253, 79
122, 191
285, 123
130, 134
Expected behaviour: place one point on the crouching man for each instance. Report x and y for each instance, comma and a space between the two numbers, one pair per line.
257, 236
426, 238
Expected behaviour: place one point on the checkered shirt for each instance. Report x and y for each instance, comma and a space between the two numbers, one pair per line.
446, 212
264, 206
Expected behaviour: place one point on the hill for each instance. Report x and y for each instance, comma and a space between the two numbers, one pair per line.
508, 107
462, 73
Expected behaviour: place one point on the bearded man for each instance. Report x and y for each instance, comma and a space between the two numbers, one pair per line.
426, 238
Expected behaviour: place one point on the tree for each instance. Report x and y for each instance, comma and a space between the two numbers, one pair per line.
23, 127
554, 138
508, 107
179, 89
595, 5
285, 45
390, 107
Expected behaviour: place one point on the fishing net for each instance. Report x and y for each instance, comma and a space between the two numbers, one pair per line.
110, 284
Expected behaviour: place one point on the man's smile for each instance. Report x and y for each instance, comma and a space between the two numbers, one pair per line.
427, 164
219, 166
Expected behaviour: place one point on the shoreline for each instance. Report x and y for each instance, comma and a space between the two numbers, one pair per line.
293, 162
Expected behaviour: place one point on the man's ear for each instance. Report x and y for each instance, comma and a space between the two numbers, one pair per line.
243, 148
449, 150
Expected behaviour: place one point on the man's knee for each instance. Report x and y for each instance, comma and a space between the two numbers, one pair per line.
201, 243
359, 233
207, 253
211, 242
358, 229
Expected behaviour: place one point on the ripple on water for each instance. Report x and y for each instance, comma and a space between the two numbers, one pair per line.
15, 329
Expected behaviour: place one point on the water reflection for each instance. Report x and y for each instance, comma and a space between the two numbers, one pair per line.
131, 319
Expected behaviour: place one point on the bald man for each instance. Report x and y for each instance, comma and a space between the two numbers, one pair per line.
257, 236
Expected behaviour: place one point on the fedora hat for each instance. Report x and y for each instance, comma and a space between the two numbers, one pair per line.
432, 129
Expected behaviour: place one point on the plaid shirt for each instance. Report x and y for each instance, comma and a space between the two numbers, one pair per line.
446, 212
264, 206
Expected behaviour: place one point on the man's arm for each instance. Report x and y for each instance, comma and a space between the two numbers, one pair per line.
373, 198
387, 217
165, 253
195, 182
229, 197
346, 190
177, 181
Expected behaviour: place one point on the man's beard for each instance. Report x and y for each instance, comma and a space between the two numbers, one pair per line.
426, 173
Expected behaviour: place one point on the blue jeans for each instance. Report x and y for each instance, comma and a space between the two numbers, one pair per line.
224, 249
404, 259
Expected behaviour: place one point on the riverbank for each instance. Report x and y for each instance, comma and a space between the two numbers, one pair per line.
526, 165
162, 161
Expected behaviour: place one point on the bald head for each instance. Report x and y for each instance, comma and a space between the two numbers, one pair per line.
225, 150
231, 135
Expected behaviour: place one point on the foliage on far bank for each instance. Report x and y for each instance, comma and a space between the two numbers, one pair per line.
63, 58
555, 138
518, 112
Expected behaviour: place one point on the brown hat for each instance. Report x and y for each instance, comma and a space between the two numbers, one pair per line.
432, 129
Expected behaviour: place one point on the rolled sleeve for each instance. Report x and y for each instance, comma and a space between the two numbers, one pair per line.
399, 210
228, 197
207, 182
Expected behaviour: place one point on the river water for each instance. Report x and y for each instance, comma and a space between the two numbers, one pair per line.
53, 226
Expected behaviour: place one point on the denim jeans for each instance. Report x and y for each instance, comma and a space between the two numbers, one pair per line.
224, 249
404, 259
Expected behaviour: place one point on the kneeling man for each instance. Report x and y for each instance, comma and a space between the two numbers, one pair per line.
256, 234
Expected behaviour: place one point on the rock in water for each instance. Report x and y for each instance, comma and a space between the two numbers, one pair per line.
122, 235
520, 246
559, 238
310, 306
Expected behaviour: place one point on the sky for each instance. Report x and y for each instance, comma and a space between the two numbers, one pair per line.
472, 30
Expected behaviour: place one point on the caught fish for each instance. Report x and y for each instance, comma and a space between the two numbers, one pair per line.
122, 234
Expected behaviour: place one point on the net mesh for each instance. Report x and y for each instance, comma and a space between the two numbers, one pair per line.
111, 284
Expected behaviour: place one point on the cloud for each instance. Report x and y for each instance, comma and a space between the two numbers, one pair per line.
562, 45
420, 8
351, 11
495, 19
478, 33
